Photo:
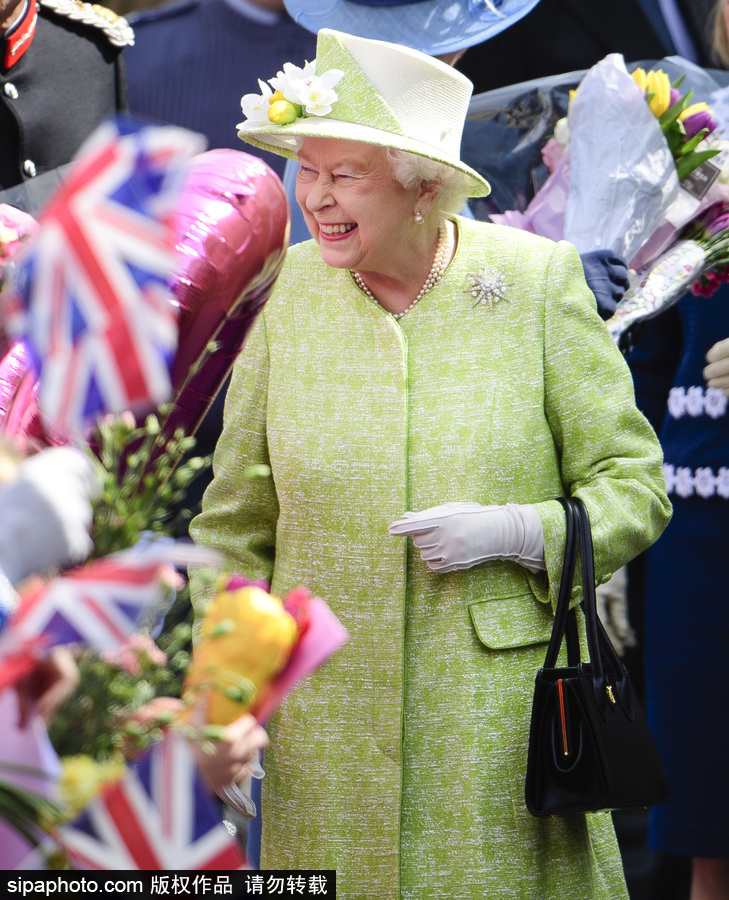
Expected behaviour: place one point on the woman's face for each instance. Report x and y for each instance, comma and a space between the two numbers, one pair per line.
356, 210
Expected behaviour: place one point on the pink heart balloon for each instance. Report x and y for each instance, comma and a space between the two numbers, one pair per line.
233, 224
20, 417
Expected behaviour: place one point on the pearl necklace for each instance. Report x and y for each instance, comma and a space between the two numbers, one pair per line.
437, 271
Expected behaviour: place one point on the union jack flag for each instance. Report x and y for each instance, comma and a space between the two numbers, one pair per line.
159, 816
93, 280
100, 604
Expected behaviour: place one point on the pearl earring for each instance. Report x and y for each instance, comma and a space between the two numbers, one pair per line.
419, 218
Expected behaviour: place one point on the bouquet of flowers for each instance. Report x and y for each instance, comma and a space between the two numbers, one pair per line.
636, 167
618, 159
697, 261
253, 646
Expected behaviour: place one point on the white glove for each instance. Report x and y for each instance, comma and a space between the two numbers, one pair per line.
460, 535
717, 372
46, 513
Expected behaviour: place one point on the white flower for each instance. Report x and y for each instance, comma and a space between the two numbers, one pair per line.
255, 106
562, 132
677, 402
669, 475
715, 403
318, 97
695, 401
303, 86
289, 80
704, 482
684, 482
722, 482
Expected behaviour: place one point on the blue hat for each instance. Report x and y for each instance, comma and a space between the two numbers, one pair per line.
431, 26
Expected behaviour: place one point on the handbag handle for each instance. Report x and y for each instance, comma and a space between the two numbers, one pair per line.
603, 656
565, 586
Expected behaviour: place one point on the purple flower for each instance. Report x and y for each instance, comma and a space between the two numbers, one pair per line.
693, 124
674, 97
714, 219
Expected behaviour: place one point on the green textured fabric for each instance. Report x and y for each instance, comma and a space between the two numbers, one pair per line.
401, 762
355, 90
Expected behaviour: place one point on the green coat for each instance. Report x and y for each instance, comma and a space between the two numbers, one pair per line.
401, 762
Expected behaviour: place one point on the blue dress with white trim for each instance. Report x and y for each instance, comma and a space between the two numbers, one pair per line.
687, 588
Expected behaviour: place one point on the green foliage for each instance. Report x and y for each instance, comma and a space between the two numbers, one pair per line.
684, 151
94, 719
28, 813
145, 479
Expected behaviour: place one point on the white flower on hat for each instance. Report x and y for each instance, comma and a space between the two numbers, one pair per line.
255, 106
315, 93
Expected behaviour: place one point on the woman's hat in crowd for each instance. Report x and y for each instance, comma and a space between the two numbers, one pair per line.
369, 91
431, 26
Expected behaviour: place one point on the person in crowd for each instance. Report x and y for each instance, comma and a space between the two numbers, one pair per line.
686, 623
45, 516
414, 361
191, 57
679, 362
720, 32
567, 36
62, 74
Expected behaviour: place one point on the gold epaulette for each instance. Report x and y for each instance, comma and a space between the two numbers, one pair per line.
115, 27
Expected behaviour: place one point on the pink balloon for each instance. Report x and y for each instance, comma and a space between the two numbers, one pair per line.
233, 224
20, 418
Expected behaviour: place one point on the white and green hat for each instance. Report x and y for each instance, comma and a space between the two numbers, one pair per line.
363, 90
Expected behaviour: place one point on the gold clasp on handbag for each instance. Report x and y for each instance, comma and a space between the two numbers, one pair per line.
610, 694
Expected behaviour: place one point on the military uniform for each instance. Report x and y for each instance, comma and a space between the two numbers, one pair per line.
61, 74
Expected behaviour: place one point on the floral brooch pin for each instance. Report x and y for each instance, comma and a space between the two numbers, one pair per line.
292, 94
488, 287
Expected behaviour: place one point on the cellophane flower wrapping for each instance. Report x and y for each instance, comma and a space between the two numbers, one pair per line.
622, 173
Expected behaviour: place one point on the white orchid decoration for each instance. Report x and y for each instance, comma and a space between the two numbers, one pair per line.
296, 92
255, 106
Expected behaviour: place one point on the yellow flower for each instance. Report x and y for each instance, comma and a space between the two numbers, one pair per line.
283, 113
693, 109
573, 94
639, 77
658, 84
83, 779
246, 638
8, 235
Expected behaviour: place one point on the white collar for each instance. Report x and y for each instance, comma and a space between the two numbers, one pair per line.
254, 12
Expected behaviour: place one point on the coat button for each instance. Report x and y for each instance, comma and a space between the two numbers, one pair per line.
10, 90
29, 168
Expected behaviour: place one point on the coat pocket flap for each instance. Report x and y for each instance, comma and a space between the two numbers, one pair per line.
512, 621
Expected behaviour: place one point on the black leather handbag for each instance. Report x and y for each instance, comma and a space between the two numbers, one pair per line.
590, 747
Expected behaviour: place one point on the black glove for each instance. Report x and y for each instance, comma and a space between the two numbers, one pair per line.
607, 277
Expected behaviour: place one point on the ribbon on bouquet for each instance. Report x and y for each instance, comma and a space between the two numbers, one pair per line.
659, 287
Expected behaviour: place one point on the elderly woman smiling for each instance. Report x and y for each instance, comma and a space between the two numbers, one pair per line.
423, 388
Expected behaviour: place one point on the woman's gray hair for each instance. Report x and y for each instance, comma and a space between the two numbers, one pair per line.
418, 171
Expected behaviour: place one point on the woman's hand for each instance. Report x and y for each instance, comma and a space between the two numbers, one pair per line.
233, 758
222, 762
460, 535
717, 372
51, 682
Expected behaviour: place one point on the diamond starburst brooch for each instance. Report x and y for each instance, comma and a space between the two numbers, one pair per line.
488, 287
